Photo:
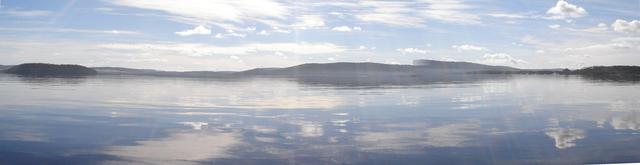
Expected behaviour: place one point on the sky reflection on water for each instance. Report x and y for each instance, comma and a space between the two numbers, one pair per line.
151, 120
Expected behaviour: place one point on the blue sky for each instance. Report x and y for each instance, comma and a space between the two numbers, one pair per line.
244, 34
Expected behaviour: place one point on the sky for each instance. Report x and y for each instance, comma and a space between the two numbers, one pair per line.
228, 35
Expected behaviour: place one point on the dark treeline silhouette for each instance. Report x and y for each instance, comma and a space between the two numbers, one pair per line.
623, 73
527, 71
611, 72
41, 69
4, 67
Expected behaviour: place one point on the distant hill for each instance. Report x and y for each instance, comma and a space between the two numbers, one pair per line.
611, 72
453, 65
150, 72
338, 70
375, 69
348, 73
4, 67
617, 73
333, 69
41, 69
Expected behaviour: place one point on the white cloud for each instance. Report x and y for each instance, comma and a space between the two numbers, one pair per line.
412, 50
590, 51
395, 13
342, 28
407, 14
104, 9
601, 27
274, 30
263, 33
337, 14
450, 11
626, 26
507, 15
222, 13
362, 47
395, 19
564, 10
230, 33
346, 28
198, 30
69, 30
25, 13
469, 48
205, 50
616, 44
309, 22
531, 40
500, 58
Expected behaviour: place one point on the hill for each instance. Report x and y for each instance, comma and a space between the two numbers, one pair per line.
337, 70
4, 67
454, 65
348, 73
150, 72
341, 69
611, 72
41, 69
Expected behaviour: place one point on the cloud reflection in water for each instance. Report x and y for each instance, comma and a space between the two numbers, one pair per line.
566, 137
179, 148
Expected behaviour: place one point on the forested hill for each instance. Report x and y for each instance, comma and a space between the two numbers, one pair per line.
41, 69
611, 72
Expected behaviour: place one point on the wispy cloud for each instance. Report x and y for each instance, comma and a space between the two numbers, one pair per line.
507, 15
229, 33
25, 13
500, 59
205, 49
412, 51
198, 30
309, 22
215, 11
69, 30
410, 13
466, 47
452, 11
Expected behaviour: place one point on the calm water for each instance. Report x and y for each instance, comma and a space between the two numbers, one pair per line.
151, 120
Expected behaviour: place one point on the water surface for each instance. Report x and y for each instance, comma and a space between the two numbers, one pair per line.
154, 120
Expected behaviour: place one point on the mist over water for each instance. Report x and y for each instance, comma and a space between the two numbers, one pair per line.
519, 119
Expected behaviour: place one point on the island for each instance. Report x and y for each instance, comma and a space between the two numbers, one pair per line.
50, 70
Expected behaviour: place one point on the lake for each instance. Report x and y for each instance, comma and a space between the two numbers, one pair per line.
523, 119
